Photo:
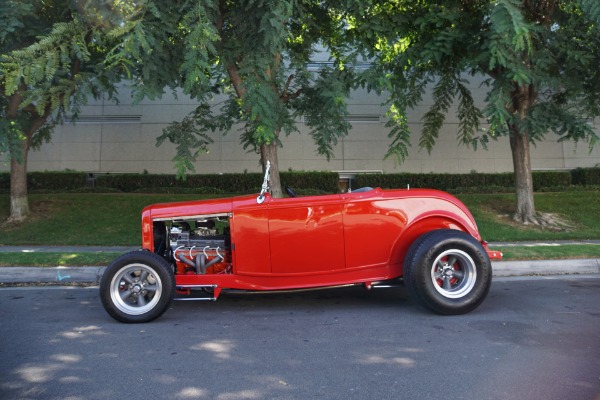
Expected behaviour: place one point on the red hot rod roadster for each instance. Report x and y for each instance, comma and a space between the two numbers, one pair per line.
424, 239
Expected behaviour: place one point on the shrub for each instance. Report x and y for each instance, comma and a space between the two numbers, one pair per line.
301, 182
223, 183
55, 181
463, 183
586, 176
445, 182
49, 181
4, 182
544, 181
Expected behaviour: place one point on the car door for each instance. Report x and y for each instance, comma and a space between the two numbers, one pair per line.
306, 234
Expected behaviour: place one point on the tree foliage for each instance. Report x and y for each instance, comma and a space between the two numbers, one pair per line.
247, 64
51, 58
538, 59
51, 61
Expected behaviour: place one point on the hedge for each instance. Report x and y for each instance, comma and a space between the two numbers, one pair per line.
225, 183
48, 181
586, 176
302, 182
542, 180
434, 181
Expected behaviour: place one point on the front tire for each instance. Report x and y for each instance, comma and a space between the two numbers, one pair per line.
137, 287
448, 271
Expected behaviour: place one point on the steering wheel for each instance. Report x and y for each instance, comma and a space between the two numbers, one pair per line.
290, 192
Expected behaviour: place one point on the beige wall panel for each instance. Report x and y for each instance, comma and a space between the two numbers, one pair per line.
78, 133
235, 152
365, 108
91, 109
122, 109
78, 165
61, 152
546, 164
291, 151
362, 150
303, 148
126, 166
115, 134
214, 154
415, 115
359, 165
101, 145
203, 167
362, 96
49, 152
79, 151
43, 165
161, 114
440, 165
367, 131
477, 164
63, 156
579, 155
502, 164
133, 151
391, 166
548, 148
153, 167
234, 167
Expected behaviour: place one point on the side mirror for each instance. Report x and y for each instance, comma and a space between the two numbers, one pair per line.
265, 185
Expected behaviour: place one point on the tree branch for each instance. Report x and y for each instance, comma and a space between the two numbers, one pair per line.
285, 94
14, 101
236, 79
232, 70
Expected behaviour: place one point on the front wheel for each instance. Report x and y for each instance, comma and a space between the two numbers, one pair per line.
448, 271
137, 287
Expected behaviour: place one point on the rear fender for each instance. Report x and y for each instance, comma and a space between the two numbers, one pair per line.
418, 228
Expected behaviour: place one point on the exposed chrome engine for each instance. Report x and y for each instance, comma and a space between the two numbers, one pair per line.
201, 246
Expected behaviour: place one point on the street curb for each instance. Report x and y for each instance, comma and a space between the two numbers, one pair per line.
92, 274
546, 267
51, 274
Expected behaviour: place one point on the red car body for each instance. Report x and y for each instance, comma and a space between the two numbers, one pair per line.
316, 241
362, 237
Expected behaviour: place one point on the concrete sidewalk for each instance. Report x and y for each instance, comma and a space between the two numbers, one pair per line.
500, 269
66, 249
25, 274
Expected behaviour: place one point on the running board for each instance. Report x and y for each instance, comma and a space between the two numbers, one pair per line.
195, 299
217, 291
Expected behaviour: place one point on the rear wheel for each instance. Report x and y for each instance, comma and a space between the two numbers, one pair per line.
137, 287
448, 271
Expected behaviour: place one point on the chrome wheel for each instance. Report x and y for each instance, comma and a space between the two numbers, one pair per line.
135, 289
454, 274
448, 271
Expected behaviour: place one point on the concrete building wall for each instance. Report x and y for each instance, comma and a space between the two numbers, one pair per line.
121, 138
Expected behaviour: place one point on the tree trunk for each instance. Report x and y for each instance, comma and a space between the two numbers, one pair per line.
19, 203
519, 144
269, 152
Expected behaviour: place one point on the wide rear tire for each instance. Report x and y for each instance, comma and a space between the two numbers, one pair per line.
137, 287
448, 271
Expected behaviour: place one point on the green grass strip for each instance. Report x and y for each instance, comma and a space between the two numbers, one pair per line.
511, 253
549, 252
56, 259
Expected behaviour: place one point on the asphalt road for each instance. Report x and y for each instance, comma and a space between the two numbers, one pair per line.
533, 338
